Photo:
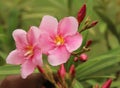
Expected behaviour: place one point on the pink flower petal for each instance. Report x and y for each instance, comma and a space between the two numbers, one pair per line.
27, 68
68, 26
15, 58
46, 43
37, 58
33, 35
58, 56
20, 38
49, 24
73, 42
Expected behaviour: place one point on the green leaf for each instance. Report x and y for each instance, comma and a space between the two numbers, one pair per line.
115, 84
57, 3
77, 84
2, 61
98, 63
9, 69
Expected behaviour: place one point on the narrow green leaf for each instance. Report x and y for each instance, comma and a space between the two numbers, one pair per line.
97, 63
2, 61
77, 84
115, 84
57, 3
9, 69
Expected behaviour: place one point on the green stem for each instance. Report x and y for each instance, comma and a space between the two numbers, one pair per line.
69, 7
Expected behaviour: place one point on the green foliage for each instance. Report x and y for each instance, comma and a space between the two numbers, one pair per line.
98, 64
112, 19
9, 69
78, 84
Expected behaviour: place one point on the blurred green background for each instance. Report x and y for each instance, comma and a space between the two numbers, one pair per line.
21, 14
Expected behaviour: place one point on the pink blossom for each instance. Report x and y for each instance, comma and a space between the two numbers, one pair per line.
27, 53
58, 40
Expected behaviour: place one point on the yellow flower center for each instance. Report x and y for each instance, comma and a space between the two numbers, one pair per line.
59, 40
29, 51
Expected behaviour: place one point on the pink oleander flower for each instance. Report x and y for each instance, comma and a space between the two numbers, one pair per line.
27, 53
58, 40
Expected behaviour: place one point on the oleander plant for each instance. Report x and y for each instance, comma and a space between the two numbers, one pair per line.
62, 51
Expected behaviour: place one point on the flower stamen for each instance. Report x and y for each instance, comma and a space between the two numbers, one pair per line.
59, 40
29, 51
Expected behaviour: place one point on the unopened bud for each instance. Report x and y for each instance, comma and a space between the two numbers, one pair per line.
62, 71
81, 13
107, 83
72, 71
89, 42
40, 69
92, 24
75, 59
83, 57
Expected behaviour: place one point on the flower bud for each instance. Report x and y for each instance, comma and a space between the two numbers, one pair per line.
75, 59
81, 13
107, 83
83, 57
62, 71
92, 24
89, 42
72, 71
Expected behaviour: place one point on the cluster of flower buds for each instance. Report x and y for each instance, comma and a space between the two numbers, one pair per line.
62, 71
81, 15
64, 76
83, 57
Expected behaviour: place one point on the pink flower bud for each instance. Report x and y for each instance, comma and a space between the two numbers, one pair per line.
62, 71
72, 71
81, 13
83, 57
107, 83
89, 42
75, 59
94, 23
